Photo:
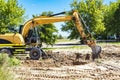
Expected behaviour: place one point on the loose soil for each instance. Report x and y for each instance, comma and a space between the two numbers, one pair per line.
72, 65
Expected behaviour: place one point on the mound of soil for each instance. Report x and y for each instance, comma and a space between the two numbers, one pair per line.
111, 51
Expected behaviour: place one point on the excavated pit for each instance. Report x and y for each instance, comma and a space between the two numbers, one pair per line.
58, 59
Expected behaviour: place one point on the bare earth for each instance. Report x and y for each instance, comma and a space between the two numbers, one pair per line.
72, 65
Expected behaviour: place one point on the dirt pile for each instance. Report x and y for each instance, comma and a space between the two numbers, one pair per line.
111, 51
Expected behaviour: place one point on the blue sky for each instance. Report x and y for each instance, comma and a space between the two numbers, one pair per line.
38, 6
56, 6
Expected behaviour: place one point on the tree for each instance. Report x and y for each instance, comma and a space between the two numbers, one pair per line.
92, 12
112, 19
47, 31
11, 14
117, 20
60, 37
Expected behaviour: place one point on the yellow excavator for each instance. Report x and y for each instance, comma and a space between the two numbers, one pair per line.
27, 40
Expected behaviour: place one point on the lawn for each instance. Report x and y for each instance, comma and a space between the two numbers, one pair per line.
63, 44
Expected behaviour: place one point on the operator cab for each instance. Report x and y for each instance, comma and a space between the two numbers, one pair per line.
33, 36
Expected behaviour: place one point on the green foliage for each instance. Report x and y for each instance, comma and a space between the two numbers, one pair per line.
92, 12
11, 14
60, 37
3, 59
112, 18
47, 31
70, 28
5, 74
13, 61
5, 63
117, 20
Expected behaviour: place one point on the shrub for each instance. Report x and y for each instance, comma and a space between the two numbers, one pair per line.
5, 64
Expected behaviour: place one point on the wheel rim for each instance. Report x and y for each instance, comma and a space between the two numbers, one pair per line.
35, 54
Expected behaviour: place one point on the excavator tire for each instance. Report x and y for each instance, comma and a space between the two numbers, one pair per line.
35, 54
8, 51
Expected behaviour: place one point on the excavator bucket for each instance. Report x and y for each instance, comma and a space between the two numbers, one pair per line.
96, 50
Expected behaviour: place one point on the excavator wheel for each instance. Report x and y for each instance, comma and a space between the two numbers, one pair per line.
35, 54
8, 51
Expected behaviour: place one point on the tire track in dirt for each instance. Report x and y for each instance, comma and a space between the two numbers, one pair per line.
89, 71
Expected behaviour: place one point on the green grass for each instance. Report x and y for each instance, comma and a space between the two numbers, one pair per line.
108, 43
80, 46
65, 48
5, 64
5, 74
64, 40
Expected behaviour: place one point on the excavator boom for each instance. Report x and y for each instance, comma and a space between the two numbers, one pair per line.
42, 20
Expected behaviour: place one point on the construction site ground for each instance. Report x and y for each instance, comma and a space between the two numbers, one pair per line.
72, 64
